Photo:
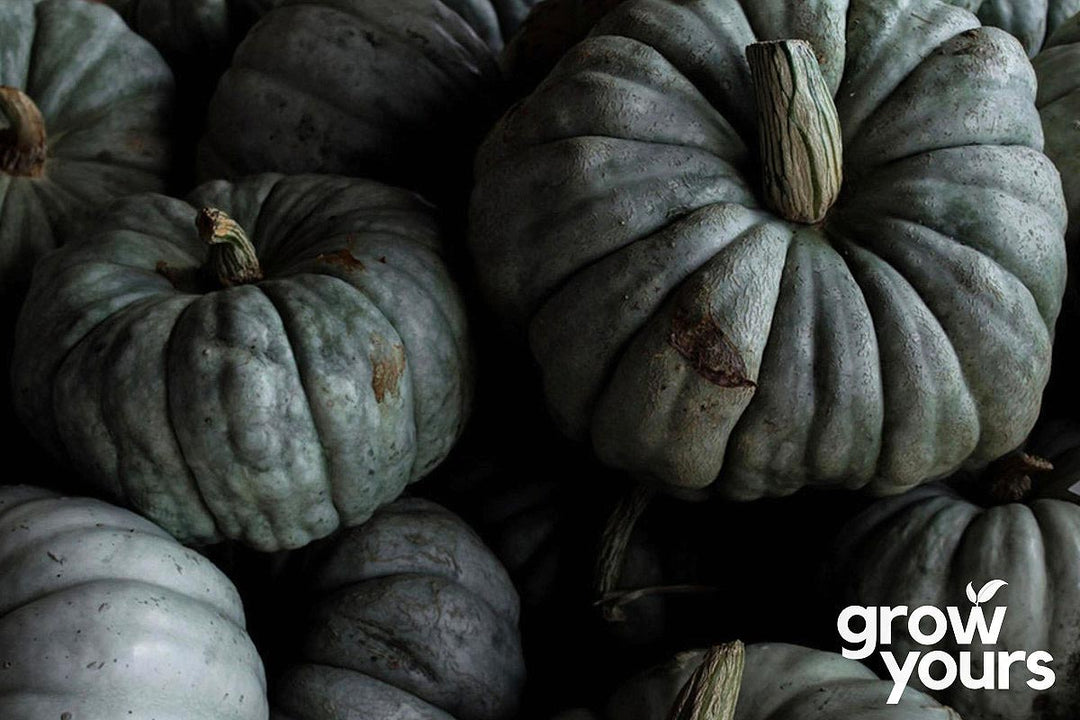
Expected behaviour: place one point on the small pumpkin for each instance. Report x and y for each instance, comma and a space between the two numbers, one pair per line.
268, 388
397, 90
871, 308
414, 616
77, 129
762, 682
1019, 523
103, 615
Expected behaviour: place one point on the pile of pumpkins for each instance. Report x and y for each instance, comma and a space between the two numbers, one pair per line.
498, 359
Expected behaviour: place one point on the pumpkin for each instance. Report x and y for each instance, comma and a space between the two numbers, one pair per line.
1058, 69
1018, 523
397, 90
872, 307
266, 389
413, 617
76, 129
1030, 22
762, 682
103, 615
188, 30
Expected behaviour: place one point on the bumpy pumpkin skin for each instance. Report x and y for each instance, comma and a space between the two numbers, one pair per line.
414, 617
103, 615
1029, 22
396, 90
271, 412
692, 334
780, 682
105, 111
924, 547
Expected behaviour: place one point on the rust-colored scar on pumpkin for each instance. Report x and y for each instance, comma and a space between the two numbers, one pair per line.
708, 350
387, 366
342, 257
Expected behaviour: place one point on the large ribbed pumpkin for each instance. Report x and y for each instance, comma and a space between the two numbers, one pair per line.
103, 616
282, 369
864, 297
412, 617
1030, 21
926, 546
77, 129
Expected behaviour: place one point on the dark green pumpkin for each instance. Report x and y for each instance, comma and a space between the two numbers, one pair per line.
272, 411
413, 617
695, 335
397, 90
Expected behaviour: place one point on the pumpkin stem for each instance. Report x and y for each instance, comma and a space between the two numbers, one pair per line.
798, 129
232, 259
614, 543
712, 692
22, 142
619, 598
1010, 476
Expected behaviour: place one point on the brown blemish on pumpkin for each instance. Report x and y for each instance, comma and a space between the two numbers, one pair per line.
342, 257
387, 366
708, 350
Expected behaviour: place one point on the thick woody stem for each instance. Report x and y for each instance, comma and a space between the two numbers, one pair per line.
798, 129
613, 546
22, 142
232, 259
712, 692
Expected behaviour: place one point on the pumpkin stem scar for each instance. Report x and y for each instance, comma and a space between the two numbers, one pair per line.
712, 691
1011, 476
798, 130
22, 142
232, 259
613, 546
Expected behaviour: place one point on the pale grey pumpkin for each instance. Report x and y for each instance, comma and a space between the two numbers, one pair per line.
413, 617
694, 333
1030, 21
763, 682
77, 129
926, 546
103, 615
271, 411
398, 90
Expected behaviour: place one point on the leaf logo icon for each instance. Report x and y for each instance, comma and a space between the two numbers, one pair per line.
986, 592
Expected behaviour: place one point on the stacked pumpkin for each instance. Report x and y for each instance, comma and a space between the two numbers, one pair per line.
755, 250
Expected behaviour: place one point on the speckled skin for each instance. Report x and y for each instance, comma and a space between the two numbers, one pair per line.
104, 616
106, 111
905, 336
271, 413
924, 547
1030, 21
414, 619
396, 90
1058, 69
780, 682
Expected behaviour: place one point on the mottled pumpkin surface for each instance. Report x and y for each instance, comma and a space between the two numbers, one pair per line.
271, 412
694, 336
